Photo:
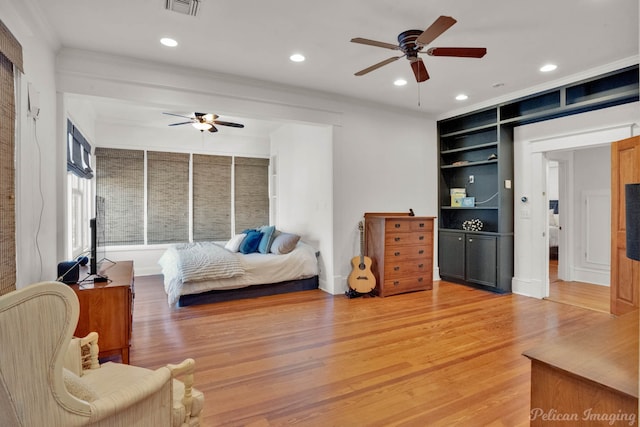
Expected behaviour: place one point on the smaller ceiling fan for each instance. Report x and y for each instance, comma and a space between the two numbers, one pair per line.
411, 43
204, 121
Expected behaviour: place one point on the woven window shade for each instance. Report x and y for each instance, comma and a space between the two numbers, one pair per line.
7, 178
211, 197
120, 180
251, 192
168, 197
10, 48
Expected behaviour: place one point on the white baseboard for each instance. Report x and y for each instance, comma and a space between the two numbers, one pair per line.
597, 277
529, 288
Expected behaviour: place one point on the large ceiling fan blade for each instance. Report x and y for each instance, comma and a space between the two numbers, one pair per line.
375, 43
213, 129
181, 123
178, 115
233, 125
419, 70
442, 24
378, 65
462, 52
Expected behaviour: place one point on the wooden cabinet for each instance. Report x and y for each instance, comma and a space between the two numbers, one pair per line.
107, 308
401, 250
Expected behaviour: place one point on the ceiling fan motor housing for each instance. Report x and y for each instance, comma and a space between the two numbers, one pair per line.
407, 43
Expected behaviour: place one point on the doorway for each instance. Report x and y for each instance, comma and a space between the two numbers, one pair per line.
577, 193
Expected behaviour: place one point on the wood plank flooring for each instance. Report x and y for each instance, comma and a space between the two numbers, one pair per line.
586, 295
447, 357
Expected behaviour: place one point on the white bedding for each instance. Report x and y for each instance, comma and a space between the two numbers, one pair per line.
259, 269
554, 230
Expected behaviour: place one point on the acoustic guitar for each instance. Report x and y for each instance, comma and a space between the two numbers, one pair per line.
361, 279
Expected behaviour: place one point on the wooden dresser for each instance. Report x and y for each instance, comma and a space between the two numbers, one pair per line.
107, 308
401, 249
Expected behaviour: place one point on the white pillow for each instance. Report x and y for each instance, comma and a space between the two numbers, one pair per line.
77, 387
233, 245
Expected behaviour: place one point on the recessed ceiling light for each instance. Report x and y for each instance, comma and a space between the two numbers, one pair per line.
296, 57
462, 97
548, 67
400, 82
168, 42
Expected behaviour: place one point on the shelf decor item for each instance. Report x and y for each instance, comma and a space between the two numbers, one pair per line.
468, 202
472, 225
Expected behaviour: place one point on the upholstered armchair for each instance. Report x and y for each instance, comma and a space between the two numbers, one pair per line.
49, 379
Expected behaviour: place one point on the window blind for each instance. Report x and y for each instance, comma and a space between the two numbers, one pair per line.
167, 197
78, 153
120, 180
251, 192
10, 57
211, 197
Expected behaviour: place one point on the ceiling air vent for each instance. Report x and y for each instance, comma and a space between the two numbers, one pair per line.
186, 7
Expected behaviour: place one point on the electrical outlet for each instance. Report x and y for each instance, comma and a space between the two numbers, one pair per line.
472, 179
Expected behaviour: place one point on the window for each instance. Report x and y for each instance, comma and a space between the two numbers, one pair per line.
120, 181
211, 197
168, 197
79, 208
158, 197
79, 194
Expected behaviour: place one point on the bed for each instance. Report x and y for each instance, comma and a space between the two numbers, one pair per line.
554, 229
205, 272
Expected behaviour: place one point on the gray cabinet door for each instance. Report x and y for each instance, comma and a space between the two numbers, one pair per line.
451, 255
481, 259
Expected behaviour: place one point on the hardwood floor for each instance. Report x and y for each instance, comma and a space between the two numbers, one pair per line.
447, 357
586, 295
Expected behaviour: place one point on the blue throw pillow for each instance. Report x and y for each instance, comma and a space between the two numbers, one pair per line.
251, 242
267, 238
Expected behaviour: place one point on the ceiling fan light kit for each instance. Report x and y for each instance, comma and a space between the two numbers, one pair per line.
204, 121
411, 43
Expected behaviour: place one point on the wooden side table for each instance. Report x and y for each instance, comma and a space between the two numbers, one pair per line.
107, 308
589, 374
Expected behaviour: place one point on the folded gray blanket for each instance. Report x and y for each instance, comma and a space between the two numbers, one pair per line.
205, 260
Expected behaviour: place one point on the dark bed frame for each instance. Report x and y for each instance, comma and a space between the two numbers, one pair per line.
249, 292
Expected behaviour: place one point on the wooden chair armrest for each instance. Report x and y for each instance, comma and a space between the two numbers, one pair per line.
89, 349
185, 370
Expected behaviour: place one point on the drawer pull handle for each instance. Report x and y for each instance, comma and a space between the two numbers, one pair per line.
420, 265
396, 253
471, 240
421, 251
396, 283
459, 238
397, 225
396, 268
419, 279
397, 239
421, 238
421, 225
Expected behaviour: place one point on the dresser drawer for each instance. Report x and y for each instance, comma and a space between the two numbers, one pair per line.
407, 284
417, 225
405, 268
400, 239
392, 253
397, 225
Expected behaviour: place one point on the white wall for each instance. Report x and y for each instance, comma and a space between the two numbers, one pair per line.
304, 189
38, 167
590, 129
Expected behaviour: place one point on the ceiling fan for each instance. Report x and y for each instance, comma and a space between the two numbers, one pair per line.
204, 121
411, 43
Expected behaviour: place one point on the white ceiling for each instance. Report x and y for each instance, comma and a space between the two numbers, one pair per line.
254, 38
